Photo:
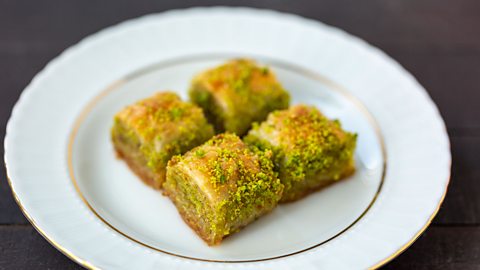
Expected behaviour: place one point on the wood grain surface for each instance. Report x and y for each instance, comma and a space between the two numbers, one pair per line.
438, 41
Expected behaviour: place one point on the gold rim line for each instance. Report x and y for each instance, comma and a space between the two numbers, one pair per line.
91, 266
404, 247
426, 225
32, 221
49, 239
189, 59
417, 235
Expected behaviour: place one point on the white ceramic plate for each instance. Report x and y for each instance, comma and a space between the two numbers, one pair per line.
69, 184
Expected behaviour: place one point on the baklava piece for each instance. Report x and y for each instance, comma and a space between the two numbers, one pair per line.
148, 133
238, 93
310, 151
221, 186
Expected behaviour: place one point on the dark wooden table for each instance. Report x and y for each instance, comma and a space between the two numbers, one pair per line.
438, 41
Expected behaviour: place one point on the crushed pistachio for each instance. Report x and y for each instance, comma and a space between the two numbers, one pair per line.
308, 144
238, 93
246, 177
265, 70
200, 153
176, 113
160, 127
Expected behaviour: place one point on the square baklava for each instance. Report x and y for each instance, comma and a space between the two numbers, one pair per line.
148, 133
221, 186
310, 151
238, 93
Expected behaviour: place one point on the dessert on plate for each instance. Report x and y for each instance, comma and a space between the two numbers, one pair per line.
238, 93
310, 151
222, 183
148, 133
221, 186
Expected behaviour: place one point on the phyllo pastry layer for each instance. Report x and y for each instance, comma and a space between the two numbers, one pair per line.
221, 186
238, 93
148, 133
310, 151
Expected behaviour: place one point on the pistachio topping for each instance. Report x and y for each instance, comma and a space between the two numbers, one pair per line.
162, 125
238, 93
305, 144
242, 178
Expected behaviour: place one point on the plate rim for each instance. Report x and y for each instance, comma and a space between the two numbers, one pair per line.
95, 35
